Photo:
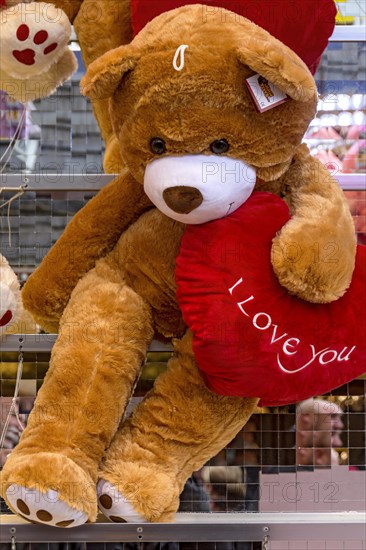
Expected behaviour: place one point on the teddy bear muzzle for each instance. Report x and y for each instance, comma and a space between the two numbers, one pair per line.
195, 189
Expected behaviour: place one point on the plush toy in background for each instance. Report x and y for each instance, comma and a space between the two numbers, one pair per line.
34, 54
186, 111
10, 300
13, 318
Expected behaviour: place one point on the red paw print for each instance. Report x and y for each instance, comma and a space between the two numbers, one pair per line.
27, 56
6, 318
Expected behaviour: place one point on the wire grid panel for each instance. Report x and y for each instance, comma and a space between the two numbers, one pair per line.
33, 223
261, 469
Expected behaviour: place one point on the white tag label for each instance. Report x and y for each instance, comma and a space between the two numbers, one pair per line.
264, 94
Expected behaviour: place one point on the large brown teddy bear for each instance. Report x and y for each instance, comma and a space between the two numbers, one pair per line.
108, 284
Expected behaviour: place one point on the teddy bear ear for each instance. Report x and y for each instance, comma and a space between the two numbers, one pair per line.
105, 73
270, 58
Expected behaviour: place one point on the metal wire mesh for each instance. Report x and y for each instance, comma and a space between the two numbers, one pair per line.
260, 469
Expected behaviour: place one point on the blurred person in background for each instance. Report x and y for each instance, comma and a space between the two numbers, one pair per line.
318, 432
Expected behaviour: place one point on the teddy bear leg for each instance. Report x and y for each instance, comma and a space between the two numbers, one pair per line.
172, 432
51, 475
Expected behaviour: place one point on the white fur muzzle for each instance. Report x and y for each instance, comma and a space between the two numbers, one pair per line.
223, 182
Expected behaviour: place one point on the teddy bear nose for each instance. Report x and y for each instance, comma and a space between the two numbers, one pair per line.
182, 198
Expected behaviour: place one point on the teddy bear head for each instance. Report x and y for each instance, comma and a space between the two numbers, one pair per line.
187, 124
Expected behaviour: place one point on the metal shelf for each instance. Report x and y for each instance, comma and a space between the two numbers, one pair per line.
56, 182
350, 526
45, 342
196, 527
348, 33
352, 182
94, 182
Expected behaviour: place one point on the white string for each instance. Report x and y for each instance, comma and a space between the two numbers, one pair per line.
21, 190
13, 407
179, 53
13, 410
12, 143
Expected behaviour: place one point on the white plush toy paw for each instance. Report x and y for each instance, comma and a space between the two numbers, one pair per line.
7, 307
34, 36
45, 508
10, 301
115, 506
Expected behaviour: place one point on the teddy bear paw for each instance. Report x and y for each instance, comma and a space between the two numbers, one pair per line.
45, 508
7, 307
115, 506
34, 37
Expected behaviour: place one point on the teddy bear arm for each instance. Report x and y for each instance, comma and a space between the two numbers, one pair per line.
102, 26
159, 447
313, 255
90, 235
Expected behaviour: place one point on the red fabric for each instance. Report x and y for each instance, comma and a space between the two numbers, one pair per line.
2, 2
6, 318
276, 346
303, 26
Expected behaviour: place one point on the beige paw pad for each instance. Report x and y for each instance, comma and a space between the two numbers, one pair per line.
115, 506
32, 42
45, 508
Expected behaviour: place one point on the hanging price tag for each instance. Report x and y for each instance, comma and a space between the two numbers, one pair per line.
265, 95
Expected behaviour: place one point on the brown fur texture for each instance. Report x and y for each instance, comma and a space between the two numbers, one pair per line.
146, 436
313, 256
121, 280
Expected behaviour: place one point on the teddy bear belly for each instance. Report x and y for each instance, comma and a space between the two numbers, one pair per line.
146, 254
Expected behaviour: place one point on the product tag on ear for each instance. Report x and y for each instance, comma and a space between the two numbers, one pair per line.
265, 95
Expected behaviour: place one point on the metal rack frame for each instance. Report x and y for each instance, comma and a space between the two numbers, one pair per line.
188, 527
348, 33
196, 527
94, 182
45, 342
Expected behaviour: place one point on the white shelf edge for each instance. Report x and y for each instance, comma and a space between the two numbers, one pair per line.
194, 527
348, 33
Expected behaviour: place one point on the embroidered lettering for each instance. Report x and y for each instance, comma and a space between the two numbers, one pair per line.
291, 346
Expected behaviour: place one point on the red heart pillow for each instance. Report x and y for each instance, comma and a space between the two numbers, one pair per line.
305, 27
251, 337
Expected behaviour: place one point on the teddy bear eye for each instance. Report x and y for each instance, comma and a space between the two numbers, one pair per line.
157, 146
219, 146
